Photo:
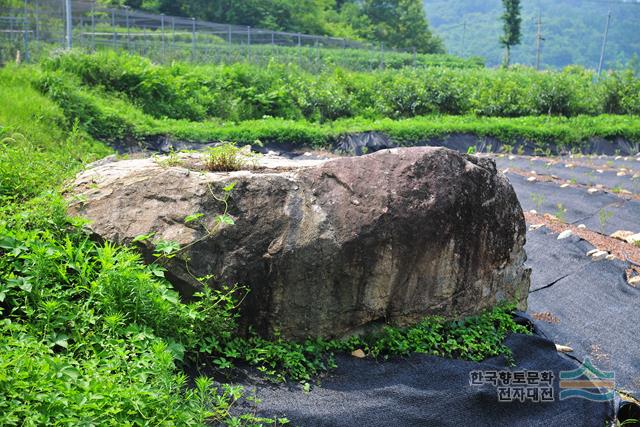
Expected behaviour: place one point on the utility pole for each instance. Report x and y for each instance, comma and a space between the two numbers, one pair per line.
539, 40
67, 12
604, 43
464, 37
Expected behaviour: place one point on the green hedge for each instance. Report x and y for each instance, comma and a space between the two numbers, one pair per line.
247, 92
118, 114
111, 118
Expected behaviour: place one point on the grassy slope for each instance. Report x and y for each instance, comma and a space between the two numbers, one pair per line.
36, 135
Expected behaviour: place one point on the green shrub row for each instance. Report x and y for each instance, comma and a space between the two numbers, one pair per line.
109, 117
247, 92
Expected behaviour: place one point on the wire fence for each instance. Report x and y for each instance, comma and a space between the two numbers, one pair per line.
40, 26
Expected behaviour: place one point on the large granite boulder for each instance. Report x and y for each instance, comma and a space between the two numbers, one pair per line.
327, 248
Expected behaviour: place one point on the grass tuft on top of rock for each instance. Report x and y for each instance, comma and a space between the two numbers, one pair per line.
227, 157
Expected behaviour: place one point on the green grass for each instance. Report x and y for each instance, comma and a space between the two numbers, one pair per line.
225, 157
35, 135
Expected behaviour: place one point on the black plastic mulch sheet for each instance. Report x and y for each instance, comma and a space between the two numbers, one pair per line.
601, 211
632, 162
581, 174
588, 306
430, 391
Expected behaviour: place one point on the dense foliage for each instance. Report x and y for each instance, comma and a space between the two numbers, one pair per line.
120, 98
88, 334
572, 31
242, 92
396, 23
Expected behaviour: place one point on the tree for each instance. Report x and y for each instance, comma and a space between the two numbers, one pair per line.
401, 24
511, 26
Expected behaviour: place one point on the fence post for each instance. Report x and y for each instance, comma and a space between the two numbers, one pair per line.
273, 38
415, 57
193, 39
173, 34
145, 43
126, 17
37, 28
11, 36
68, 17
229, 43
162, 37
93, 27
80, 34
248, 44
113, 27
382, 55
26, 41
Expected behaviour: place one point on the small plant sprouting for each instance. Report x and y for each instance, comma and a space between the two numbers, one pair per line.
224, 218
538, 200
604, 216
472, 150
142, 237
507, 149
172, 159
166, 248
561, 213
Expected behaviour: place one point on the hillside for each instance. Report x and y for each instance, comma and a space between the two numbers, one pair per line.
572, 30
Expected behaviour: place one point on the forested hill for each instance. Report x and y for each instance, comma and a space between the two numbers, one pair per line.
572, 29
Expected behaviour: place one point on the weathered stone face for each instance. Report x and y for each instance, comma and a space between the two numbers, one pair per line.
327, 247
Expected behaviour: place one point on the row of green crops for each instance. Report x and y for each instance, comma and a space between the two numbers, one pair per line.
112, 118
247, 92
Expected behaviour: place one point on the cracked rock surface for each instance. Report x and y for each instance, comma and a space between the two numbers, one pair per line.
327, 248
